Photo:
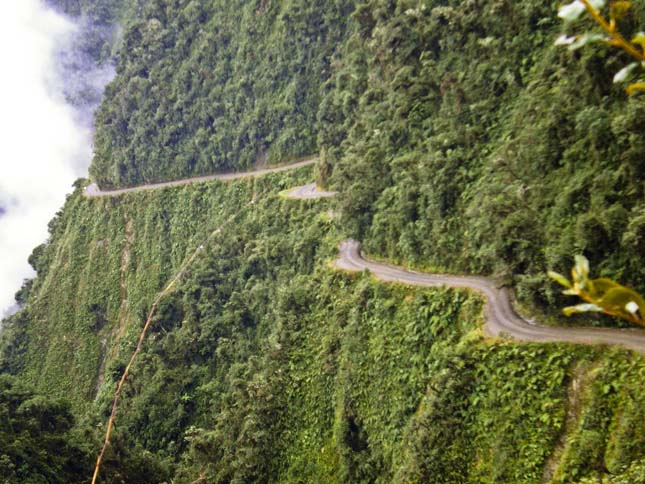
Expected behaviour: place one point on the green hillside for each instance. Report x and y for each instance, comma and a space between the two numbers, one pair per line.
459, 139
215, 86
458, 135
268, 365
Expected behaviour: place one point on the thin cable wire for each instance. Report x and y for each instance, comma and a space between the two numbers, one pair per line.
142, 337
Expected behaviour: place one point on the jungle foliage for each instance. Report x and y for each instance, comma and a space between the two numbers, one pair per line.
213, 86
449, 128
42, 442
35, 437
458, 136
267, 365
608, 17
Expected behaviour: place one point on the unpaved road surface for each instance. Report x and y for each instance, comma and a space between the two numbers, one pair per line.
308, 192
500, 317
93, 190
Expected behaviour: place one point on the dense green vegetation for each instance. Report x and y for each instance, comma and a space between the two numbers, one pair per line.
267, 365
102, 19
459, 138
448, 128
215, 86
35, 442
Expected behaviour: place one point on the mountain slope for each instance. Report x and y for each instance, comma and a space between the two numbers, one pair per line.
215, 86
461, 138
266, 364
457, 137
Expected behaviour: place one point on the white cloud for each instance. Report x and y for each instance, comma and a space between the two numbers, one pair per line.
42, 149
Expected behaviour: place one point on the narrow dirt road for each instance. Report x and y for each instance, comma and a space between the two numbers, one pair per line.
93, 190
500, 317
308, 192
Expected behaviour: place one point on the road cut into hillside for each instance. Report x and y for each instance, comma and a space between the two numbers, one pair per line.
93, 190
501, 319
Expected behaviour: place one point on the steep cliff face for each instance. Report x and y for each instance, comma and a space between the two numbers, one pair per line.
215, 86
267, 364
457, 136
85, 63
461, 137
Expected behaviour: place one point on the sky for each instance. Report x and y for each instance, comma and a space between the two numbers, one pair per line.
43, 146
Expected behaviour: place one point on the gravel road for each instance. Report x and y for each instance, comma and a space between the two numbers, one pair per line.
500, 317
93, 190
308, 192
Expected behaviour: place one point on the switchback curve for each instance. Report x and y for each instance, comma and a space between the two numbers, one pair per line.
500, 318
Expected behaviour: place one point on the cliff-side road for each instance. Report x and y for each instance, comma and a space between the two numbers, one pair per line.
501, 319
93, 190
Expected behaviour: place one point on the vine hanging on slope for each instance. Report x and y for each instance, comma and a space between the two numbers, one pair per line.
153, 309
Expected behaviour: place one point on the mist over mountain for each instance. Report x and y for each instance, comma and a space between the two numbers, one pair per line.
85, 62
55, 87
44, 149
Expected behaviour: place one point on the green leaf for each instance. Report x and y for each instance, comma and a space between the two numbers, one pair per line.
622, 74
632, 307
618, 10
602, 285
616, 299
571, 11
601, 295
580, 272
635, 87
582, 308
639, 38
585, 39
564, 40
582, 266
560, 279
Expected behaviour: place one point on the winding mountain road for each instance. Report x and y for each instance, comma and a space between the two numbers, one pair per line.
93, 190
501, 319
